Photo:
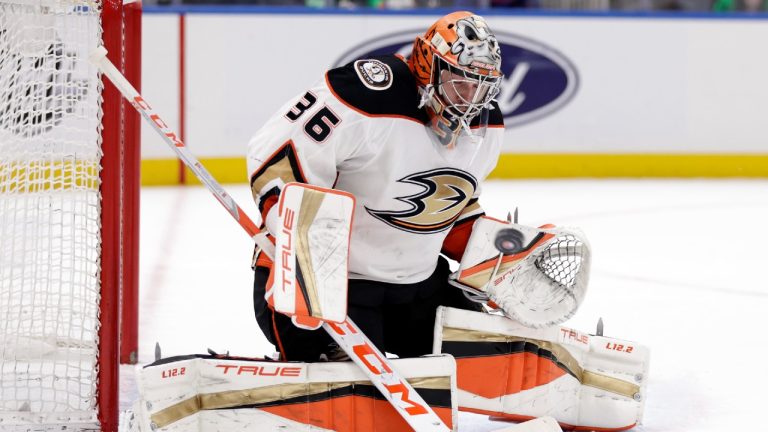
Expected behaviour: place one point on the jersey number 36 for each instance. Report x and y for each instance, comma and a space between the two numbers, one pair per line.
322, 122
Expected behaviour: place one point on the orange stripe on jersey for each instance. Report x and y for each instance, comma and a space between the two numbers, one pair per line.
426, 227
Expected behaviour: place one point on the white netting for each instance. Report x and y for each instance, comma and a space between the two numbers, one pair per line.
547, 287
50, 143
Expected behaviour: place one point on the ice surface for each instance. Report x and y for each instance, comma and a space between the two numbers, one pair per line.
680, 266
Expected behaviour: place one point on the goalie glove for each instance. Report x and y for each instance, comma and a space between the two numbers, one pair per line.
536, 276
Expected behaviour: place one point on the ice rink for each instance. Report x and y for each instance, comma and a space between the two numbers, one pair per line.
678, 265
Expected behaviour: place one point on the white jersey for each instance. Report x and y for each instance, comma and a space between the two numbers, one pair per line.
360, 130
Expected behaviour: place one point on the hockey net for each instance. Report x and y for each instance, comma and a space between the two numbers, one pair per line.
59, 284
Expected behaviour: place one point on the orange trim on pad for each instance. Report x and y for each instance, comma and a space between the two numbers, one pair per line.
480, 375
351, 413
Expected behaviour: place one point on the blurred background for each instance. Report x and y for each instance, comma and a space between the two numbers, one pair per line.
592, 88
626, 5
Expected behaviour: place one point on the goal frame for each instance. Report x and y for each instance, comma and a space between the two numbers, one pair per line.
120, 182
107, 284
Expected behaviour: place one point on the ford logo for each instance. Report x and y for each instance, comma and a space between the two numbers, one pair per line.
538, 80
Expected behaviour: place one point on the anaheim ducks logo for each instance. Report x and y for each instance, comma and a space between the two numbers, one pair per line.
446, 192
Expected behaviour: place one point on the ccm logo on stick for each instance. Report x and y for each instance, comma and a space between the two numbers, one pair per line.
377, 366
142, 105
260, 370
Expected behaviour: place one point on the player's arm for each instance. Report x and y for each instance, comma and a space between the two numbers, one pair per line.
303, 142
455, 243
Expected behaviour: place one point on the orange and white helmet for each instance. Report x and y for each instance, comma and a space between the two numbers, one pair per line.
457, 65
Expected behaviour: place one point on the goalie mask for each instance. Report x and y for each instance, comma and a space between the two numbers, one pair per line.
457, 65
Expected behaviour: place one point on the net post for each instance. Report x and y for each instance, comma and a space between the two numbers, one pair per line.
129, 347
111, 194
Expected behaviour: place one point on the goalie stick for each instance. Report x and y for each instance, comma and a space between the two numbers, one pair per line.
350, 338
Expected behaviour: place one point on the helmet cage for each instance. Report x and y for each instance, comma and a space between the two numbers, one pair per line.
463, 93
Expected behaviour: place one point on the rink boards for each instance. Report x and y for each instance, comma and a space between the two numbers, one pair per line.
586, 95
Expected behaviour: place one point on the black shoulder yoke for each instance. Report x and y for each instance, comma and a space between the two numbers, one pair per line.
378, 86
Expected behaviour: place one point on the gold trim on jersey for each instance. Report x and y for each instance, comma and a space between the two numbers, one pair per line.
283, 164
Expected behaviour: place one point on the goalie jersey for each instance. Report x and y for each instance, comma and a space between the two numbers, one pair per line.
360, 130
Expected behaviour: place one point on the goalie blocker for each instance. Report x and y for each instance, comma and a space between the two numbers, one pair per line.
309, 282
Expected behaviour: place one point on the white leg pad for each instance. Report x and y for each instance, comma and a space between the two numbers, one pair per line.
508, 370
203, 394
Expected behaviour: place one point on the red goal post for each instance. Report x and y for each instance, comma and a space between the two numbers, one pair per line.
69, 185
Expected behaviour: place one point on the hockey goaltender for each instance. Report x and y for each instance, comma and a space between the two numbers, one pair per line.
369, 182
